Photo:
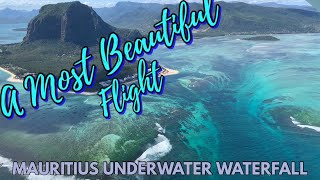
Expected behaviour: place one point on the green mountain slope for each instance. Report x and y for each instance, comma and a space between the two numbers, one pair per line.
55, 38
237, 18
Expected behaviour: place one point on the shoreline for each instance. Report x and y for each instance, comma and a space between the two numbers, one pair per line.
295, 122
8, 164
169, 72
13, 79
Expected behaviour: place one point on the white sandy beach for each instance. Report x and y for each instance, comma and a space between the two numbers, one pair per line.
12, 77
169, 72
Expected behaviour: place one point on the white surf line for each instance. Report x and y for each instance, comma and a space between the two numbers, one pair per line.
161, 147
294, 121
7, 163
157, 151
12, 76
160, 129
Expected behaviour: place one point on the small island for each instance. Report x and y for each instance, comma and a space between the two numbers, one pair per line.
20, 29
261, 38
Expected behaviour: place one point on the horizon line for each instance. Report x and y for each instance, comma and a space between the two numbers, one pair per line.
113, 5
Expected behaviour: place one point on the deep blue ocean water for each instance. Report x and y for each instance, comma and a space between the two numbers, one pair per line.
233, 100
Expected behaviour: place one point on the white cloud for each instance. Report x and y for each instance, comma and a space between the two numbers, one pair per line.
34, 4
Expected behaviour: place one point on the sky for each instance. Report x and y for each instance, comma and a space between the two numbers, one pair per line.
36, 4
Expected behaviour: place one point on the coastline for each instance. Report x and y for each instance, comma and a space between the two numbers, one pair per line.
295, 122
13, 79
8, 163
169, 72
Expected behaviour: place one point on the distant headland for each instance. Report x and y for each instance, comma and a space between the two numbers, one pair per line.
261, 38
54, 39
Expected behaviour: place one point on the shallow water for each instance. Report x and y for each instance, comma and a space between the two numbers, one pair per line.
232, 101
8, 35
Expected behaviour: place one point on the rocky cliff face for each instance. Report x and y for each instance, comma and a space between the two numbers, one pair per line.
72, 22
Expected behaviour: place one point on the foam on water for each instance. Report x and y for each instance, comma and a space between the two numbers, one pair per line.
211, 110
282, 82
160, 129
310, 127
7, 163
161, 148
295, 122
49, 177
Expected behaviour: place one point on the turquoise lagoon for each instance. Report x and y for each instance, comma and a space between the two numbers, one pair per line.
233, 100
9, 35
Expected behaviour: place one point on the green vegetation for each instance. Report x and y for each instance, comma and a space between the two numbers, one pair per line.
55, 38
55, 10
237, 18
305, 116
72, 22
261, 38
50, 56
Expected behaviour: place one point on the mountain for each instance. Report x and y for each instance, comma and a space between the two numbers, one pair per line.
132, 15
72, 22
54, 40
237, 18
10, 16
241, 18
277, 5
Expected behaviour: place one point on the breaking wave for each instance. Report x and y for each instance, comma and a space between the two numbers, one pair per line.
161, 148
7, 163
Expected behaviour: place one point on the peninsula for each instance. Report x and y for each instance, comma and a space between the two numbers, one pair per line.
54, 41
261, 38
